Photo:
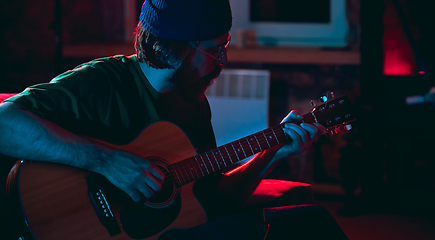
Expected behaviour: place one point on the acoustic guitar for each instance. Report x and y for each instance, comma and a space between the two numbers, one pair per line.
55, 201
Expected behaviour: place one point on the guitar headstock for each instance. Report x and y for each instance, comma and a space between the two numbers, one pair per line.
335, 114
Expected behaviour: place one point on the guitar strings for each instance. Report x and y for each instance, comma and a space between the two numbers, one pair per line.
194, 164
230, 152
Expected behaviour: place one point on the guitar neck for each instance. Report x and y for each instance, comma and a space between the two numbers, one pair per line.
201, 165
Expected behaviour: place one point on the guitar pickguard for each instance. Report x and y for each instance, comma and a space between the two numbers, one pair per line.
140, 221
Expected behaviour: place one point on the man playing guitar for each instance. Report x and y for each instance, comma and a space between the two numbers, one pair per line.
180, 49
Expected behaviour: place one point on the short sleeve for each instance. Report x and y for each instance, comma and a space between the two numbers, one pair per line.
89, 100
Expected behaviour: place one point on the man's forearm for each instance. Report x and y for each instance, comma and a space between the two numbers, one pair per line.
25, 135
28, 136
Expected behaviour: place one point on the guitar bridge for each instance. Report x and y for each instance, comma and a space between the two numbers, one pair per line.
102, 207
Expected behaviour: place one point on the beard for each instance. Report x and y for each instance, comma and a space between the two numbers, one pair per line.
189, 84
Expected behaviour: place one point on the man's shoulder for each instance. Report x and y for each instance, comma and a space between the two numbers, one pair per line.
113, 68
116, 62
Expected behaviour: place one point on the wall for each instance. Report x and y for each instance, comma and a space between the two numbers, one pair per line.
26, 43
27, 39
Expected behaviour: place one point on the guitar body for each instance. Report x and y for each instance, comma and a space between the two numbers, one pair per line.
55, 200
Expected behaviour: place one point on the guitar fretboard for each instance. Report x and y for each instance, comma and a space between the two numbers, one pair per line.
201, 165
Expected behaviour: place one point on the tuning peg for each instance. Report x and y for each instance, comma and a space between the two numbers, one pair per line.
332, 95
332, 131
324, 99
348, 127
337, 130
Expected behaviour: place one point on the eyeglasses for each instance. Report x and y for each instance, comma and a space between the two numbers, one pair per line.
220, 52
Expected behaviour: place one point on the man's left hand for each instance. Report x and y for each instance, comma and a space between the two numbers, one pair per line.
302, 136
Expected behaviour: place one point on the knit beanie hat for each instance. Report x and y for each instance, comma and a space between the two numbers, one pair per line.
189, 20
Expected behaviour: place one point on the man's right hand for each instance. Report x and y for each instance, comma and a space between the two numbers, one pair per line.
25, 135
135, 176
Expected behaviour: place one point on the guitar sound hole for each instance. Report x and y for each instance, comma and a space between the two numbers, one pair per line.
167, 191
144, 220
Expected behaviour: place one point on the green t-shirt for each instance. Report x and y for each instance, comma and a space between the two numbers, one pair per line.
111, 99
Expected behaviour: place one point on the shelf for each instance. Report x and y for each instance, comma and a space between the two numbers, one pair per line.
288, 55
272, 55
96, 50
